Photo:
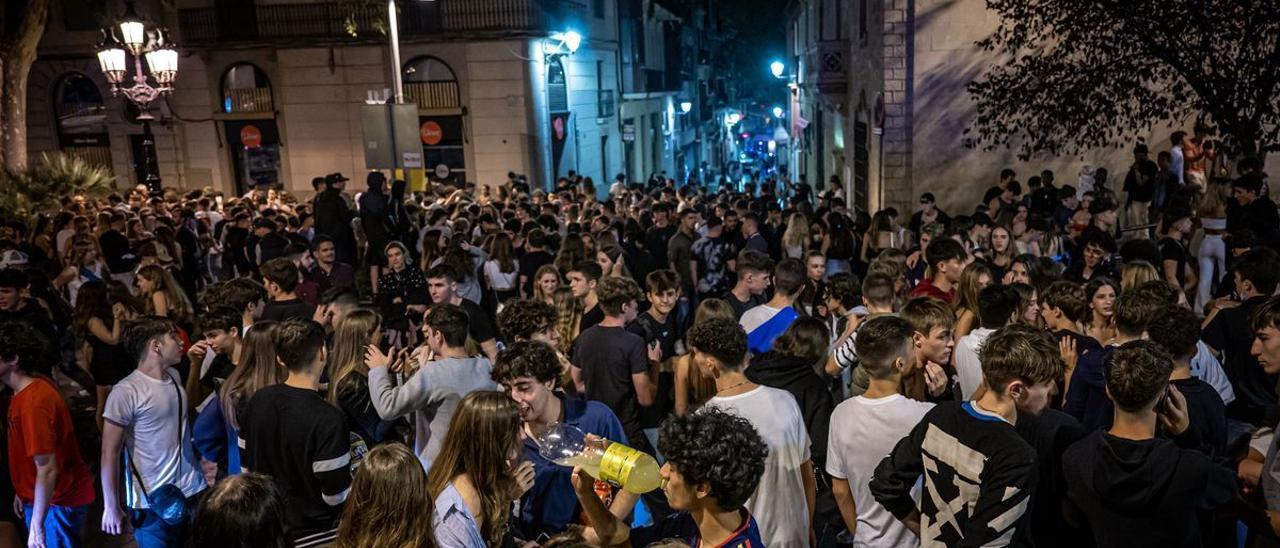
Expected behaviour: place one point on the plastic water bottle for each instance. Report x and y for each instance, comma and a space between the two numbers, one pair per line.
622, 466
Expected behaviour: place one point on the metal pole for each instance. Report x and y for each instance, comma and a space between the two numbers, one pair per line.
394, 24
151, 175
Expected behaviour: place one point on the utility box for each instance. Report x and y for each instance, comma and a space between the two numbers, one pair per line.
391, 138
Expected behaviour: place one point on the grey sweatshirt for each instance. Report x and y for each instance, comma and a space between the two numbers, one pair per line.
431, 394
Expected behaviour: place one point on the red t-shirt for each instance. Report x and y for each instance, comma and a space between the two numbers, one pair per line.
40, 423
926, 289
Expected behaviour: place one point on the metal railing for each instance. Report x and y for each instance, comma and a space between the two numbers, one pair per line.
431, 95
336, 20
238, 100
94, 156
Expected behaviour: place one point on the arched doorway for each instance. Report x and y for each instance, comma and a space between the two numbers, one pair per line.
81, 119
251, 134
432, 85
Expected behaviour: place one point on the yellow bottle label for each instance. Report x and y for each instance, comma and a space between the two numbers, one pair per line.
617, 463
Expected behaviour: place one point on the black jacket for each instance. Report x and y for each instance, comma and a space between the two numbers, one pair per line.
375, 219
333, 219
1144, 493
792, 374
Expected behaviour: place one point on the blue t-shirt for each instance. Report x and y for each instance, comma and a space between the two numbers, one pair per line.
551, 504
682, 526
762, 328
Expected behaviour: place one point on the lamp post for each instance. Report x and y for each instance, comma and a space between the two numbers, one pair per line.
131, 36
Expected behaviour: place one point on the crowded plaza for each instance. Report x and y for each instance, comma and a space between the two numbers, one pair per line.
647, 273
650, 364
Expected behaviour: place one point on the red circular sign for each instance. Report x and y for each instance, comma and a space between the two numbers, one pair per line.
431, 133
250, 137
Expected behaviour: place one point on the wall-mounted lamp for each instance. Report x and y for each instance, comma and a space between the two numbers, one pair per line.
566, 43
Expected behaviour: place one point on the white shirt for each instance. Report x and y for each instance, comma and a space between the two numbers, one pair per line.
499, 280
148, 410
62, 239
863, 432
779, 504
968, 366
1177, 161
1207, 368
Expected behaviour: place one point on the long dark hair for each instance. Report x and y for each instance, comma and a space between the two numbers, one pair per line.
92, 301
483, 433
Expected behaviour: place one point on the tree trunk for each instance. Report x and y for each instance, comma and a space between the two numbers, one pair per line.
17, 53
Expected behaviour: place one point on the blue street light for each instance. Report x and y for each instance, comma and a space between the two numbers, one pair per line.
777, 68
777, 112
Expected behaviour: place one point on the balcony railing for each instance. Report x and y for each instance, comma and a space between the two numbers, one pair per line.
335, 20
828, 67
432, 95
242, 100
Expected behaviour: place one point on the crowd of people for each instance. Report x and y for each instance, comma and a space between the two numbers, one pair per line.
1061, 365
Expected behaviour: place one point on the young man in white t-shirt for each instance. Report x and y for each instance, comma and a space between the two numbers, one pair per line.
864, 427
788, 484
146, 420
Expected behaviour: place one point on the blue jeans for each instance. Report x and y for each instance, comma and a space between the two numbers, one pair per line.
152, 532
62, 524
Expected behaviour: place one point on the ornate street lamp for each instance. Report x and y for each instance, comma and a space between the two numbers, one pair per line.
132, 36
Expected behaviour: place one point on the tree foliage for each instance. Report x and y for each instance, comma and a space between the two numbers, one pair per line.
42, 186
1081, 74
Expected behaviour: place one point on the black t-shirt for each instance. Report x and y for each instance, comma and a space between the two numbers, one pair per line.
991, 194
741, 307
1050, 434
302, 442
279, 311
1207, 413
1231, 333
608, 356
220, 370
666, 334
803, 191
590, 318
479, 327
1173, 250
655, 240
529, 265
651, 330
116, 252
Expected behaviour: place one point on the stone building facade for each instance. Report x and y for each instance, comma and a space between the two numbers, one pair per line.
271, 91
887, 80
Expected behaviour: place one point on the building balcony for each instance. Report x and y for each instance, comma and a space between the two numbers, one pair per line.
827, 70
248, 100
337, 21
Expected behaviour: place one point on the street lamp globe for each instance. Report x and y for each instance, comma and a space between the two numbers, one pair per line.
133, 32
111, 57
572, 40
163, 61
686, 106
777, 68
777, 112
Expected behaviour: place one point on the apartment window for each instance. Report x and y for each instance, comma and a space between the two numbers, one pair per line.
597, 8
245, 88
431, 83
